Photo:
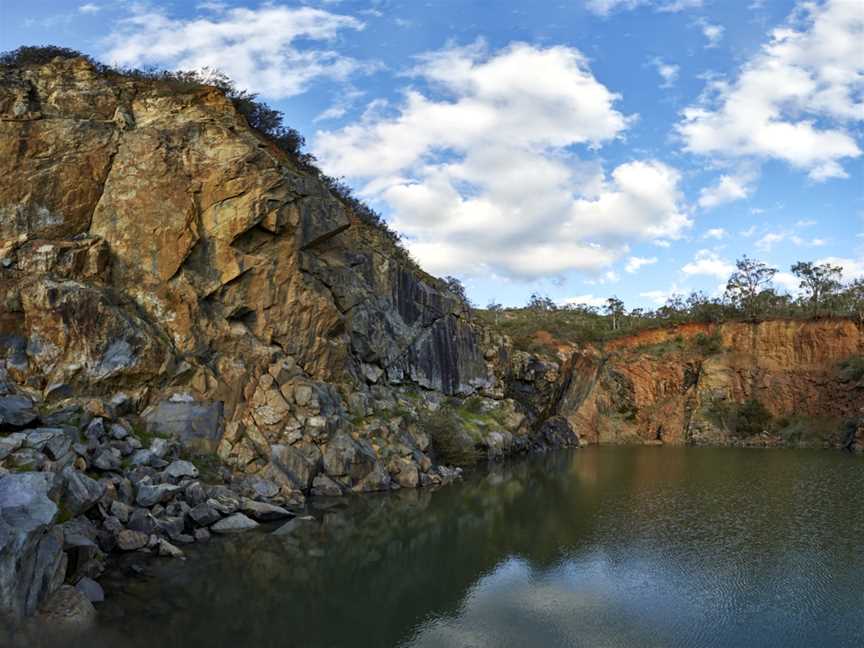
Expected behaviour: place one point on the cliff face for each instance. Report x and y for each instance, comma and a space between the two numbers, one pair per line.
153, 243
768, 383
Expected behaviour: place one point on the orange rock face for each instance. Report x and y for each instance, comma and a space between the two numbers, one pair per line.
664, 386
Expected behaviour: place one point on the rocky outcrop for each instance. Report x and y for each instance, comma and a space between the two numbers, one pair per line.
767, 383
154, 244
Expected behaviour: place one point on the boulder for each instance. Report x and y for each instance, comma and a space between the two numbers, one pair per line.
16, 411
32, 562
347, 460
262, 511
204, 515
236, 523
67, 610
179, 469
323, 486
129, 540
196, 423
10, 443
299, 463
91, 589
168, 550
557, 432
108, 460
80, 492
151, 494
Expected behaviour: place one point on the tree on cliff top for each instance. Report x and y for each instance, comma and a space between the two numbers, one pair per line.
748, 283
819, 282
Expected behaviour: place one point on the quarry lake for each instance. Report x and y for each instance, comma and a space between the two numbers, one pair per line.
599, 547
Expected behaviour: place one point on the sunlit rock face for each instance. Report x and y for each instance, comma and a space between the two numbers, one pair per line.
152, 243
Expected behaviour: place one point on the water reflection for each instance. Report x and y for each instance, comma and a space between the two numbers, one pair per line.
598, 547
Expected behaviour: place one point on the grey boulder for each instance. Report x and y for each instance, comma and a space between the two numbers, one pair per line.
80, 492
236, 523
16, 411
179, 469
32, 562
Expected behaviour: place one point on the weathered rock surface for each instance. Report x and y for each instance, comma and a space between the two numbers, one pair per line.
658, 386
32, 562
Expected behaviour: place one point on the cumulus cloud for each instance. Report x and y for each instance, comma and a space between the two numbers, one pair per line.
709, 263
634, 263
260, 49
728, 188
771, 239
852, 268
794, 99
667, 71
713, 33
481, 176
89, 8
717, 233
606, 7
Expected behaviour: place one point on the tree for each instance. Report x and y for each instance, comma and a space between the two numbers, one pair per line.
851, 300
746, 284
538, 302
614, 308
455, 286
819, 282
494, 307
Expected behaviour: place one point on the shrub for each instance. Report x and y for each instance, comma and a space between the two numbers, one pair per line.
742, 420
450, 442
852, 369
708, 345
38, 55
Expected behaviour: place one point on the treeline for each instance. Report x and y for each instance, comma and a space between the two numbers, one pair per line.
262, 118
750, 295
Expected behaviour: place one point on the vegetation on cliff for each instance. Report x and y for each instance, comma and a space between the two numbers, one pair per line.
543, 326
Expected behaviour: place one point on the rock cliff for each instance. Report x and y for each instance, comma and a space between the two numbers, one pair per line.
791, 383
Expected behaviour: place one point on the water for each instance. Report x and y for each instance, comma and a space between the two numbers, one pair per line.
601, 547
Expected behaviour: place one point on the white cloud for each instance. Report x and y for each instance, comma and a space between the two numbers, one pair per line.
709, 263
852, 268
769, 240
667, 71
257, 48
586, 300
660, 297
792, 100
634, 263
483, 179
749, 232
729, 188
606, 7
713, 33
788, 282
89, 8
717, 233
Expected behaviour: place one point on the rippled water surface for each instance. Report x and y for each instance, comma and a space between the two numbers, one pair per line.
602, 547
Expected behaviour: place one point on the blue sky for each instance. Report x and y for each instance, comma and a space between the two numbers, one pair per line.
579, 148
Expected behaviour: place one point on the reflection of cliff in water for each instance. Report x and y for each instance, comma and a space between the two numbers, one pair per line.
705, 532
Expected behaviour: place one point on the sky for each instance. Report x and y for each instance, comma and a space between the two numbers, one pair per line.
576, 148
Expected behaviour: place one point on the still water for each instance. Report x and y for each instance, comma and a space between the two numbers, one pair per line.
600, 547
